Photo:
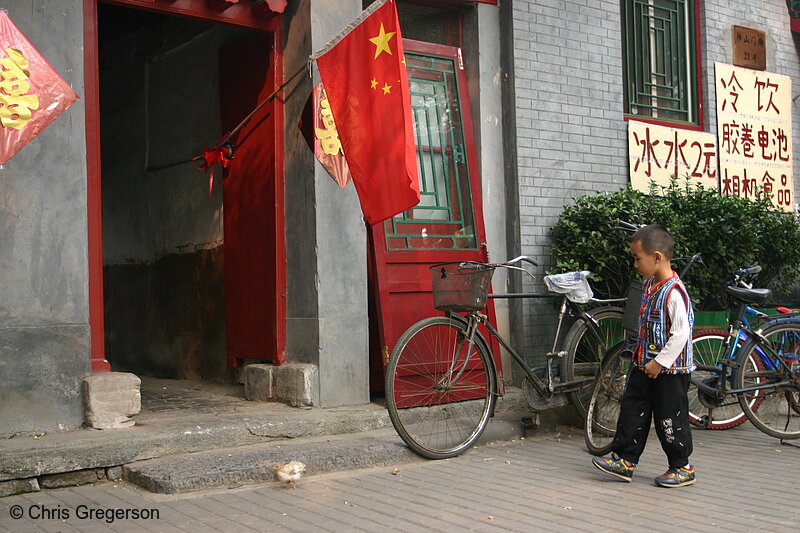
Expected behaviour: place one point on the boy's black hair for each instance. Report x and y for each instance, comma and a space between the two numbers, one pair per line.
655, 238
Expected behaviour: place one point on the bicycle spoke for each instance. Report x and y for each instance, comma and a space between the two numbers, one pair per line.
585, 347
604, 406
440, 389
773, 406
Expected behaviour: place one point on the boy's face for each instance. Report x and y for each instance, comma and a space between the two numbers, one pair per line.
647, 264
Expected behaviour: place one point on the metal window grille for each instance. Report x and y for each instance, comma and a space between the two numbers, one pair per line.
659, 46
444, 218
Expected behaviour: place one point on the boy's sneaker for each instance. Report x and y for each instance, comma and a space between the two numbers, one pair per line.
616, 466
676, 477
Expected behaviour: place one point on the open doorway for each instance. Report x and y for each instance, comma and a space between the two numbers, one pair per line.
188, 276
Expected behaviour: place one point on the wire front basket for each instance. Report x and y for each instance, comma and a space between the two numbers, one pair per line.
461, 286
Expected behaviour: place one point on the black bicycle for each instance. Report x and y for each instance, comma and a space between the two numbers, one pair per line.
441, 379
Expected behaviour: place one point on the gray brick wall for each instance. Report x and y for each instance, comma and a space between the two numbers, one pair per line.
570, 130
571, 136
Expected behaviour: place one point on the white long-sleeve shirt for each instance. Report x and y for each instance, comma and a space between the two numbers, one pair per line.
679, 331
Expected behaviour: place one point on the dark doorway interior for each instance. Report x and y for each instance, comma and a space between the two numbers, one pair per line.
162, 234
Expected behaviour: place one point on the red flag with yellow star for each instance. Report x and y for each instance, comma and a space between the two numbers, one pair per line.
365, 79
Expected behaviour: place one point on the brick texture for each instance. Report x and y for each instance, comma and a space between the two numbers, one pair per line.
571, 135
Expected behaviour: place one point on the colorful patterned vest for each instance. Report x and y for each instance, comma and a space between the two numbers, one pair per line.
654, 324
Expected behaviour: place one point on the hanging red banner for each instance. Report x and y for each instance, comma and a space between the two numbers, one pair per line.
32, 94
320, 132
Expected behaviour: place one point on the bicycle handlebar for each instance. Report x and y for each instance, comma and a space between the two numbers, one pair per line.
755, 269
696, 258
741, 273
518, 259
627, 226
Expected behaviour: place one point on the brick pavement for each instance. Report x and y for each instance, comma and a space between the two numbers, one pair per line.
747, 481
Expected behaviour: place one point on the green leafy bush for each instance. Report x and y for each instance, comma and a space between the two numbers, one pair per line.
730, 232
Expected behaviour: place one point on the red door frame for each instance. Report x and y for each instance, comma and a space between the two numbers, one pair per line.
386, 265
238, 15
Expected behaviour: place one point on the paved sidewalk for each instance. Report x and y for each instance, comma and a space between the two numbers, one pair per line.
747, 481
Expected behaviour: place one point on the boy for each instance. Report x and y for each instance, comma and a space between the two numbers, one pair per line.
659, 378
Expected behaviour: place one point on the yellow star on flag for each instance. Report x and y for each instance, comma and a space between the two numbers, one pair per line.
386, 88
381, 42
373, 83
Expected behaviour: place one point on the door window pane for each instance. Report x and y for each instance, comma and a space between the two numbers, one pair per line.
444, 219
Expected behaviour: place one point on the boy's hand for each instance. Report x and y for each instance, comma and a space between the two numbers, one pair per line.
652, 369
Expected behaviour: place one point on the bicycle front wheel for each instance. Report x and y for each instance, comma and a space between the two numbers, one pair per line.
603, 409
584, 346
709, 410
440, 388
773, 406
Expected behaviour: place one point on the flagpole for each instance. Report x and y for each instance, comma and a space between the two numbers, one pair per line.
364, 14
269, 98
221, 144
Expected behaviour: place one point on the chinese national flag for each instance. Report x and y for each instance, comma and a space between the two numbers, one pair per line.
32, 94
365, 78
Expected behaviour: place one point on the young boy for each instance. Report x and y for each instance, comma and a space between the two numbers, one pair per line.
659, 378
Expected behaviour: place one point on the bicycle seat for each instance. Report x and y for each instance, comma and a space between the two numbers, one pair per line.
750, 296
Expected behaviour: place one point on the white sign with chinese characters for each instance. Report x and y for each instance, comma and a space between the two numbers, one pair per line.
754, 128
660, 154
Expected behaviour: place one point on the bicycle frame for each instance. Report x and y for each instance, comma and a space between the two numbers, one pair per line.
740, 331
549, 386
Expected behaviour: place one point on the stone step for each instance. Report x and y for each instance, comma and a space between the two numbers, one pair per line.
243, 465
30, 457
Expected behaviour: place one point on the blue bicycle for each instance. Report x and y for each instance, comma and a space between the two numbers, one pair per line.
758, 368
714, 402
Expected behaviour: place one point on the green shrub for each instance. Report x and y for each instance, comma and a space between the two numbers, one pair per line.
730, 232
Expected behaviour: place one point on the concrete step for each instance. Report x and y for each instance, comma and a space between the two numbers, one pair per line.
31, 462
54, 453
242, 465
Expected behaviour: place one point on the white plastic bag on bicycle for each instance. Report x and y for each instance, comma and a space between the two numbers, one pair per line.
574, 285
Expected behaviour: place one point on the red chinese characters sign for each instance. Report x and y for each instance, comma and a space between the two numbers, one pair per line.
32, 94
659, 155
754, 130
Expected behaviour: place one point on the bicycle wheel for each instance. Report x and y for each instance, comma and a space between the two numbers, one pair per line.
439, 392
707, 410
584, 350
773, 408
603, 409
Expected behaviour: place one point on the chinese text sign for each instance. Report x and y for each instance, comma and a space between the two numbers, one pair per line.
754, 130
659, 154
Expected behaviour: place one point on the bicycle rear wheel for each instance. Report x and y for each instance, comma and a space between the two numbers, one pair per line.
774, 408
440, 391
584, 350
707, 410
603, 410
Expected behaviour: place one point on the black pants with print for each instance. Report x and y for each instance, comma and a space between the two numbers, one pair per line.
665, 399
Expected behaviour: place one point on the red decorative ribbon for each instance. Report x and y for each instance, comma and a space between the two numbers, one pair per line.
219, 155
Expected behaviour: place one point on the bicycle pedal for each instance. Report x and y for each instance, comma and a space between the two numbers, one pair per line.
530, 423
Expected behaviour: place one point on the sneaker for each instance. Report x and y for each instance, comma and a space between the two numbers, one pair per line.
615, 466
676, 477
